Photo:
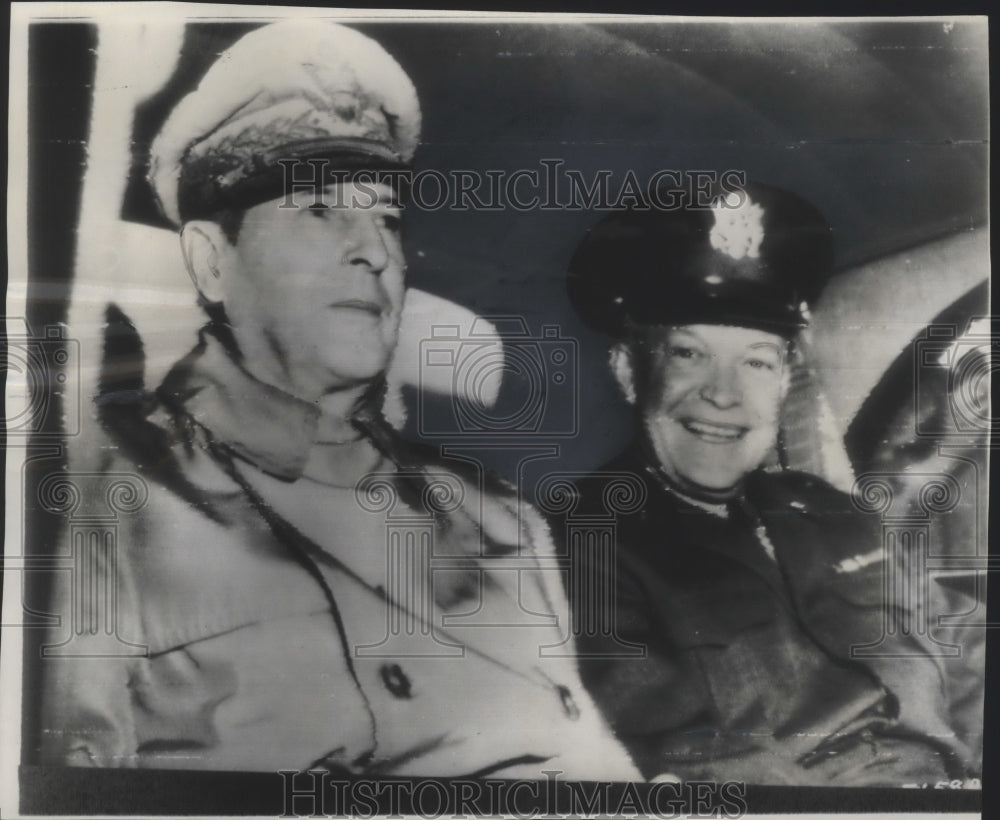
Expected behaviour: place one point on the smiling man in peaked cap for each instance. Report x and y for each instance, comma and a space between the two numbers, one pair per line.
757, 591
276, 603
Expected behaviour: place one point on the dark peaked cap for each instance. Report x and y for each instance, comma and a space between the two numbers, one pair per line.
753, 259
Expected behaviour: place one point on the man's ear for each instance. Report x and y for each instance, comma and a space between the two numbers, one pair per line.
623, 368
207, 254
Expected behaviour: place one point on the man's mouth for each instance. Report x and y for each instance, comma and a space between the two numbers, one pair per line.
363, 305
714, 432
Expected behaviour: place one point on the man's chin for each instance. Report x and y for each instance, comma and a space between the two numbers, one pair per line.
336, 377
360, 374
710, 486
714, 491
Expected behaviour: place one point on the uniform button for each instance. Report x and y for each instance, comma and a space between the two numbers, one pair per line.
395, 680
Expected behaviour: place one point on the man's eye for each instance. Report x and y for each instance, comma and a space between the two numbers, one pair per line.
318, 209
761, 364
392, 222
682, 352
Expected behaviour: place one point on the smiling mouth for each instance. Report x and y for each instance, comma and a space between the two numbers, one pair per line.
715, 432
363, 305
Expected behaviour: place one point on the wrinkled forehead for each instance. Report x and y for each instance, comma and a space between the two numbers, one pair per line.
360, 195
714, 338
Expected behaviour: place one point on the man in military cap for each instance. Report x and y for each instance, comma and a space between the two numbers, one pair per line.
257, 590
749, 586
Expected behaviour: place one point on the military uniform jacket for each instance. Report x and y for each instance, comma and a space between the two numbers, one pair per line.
752, 645
265, 621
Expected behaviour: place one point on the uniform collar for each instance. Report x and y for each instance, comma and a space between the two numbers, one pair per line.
268, 427
641, 450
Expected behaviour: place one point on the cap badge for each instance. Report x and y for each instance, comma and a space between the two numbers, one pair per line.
738, 229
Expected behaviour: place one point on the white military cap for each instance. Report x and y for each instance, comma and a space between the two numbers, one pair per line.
294, 90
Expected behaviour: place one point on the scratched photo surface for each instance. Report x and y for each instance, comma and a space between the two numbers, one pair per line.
455, 414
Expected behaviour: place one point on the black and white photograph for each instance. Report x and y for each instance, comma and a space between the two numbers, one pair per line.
451, 414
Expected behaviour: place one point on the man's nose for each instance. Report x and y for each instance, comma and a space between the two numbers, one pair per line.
722, 386
364, 244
